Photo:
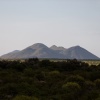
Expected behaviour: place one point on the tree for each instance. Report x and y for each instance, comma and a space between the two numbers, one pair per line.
97, 82
76, 78
72, 90
22, 97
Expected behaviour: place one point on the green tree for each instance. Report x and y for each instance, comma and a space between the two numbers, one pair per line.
72, 90
22, 97
76, 78
97, 82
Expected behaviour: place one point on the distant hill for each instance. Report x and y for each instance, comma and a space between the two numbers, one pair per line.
10, 54
54, 47
79, 53
42, 51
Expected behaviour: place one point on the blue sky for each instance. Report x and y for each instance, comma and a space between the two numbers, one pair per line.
61, 22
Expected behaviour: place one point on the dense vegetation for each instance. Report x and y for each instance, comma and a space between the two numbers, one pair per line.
33, 79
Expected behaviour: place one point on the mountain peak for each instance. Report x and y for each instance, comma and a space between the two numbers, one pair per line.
42, 51
77, 46
80, 53
54, 47
38, 45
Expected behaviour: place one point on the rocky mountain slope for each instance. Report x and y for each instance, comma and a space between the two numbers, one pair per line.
42, 51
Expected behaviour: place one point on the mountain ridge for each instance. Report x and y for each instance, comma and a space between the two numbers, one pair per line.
42, 51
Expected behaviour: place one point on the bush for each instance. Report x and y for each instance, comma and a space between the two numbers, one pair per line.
80, 80
97, 82
71, 87
22, 97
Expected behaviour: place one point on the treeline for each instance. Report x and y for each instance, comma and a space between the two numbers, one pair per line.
35, 79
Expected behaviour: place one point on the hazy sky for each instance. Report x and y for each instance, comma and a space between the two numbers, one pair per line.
61, 22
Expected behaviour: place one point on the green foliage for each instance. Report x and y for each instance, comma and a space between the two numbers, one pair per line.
72, 90
34, 79
22, 97
54, 72
76, 78
89, 85
71, 87
97, 82
97, 99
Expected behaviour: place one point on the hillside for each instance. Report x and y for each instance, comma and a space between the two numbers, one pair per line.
42, 51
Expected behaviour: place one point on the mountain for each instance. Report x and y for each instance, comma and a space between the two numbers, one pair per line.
79, 53
10, 54
42, 51
54, 47
15, 51
36, 50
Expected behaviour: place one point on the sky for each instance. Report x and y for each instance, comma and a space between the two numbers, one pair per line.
51, 22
